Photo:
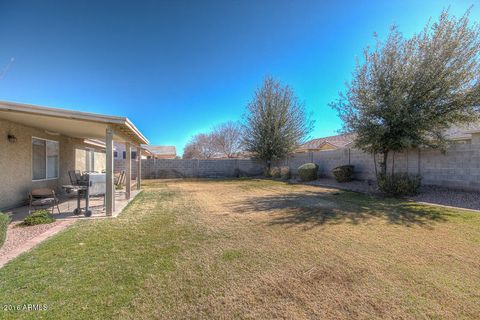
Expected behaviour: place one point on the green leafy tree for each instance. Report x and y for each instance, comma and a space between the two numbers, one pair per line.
407, 92
275, 123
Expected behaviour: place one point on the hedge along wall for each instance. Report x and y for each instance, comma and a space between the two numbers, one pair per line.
193, 168
458, 167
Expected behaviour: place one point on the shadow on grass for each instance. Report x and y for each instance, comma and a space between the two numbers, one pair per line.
328, 207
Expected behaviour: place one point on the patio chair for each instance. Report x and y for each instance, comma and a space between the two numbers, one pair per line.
75, 180
120, 179
44, 198
75, 177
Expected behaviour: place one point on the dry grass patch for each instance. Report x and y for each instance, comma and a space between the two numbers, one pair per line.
257, 249
316, 252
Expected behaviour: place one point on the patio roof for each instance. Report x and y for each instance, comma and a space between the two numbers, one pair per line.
161, 150
71, 123
87, 126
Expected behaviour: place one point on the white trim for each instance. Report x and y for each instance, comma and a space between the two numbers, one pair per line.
46, 160
94, 143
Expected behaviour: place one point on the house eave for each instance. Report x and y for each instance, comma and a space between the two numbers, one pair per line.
123, 123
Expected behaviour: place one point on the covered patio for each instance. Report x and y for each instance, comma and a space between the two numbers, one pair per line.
69, 131
68, 204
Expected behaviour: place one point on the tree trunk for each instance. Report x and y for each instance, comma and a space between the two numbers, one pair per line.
383, 165
393, 163
375, 164
269, 164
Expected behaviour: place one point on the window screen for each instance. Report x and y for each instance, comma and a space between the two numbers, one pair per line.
38, 159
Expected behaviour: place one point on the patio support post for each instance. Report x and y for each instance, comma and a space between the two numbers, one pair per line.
139, 166
128, 170
110, 191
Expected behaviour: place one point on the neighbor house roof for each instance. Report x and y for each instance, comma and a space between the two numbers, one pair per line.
462, 132
70, 123
161, 150
338, 141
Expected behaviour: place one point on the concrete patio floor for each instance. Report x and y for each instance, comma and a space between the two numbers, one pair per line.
69, 202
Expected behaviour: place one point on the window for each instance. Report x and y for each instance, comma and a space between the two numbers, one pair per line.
44, 159
134, 155
115, 154
90, 165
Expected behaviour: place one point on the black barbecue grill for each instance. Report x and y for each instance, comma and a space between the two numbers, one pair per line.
86, 185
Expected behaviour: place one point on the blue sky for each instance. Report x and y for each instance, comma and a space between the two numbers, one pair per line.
176, 68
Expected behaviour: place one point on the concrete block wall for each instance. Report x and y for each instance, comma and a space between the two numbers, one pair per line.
458, 167
119, 166
179, 168
250, 167
168, 168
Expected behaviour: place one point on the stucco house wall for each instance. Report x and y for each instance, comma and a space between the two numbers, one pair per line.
16, 162
81, 159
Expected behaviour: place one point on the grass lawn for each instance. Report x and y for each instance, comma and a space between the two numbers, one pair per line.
254, 249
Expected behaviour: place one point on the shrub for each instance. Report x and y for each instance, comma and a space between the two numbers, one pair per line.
4, 220
275, 172
308, 171
38, 217
399, 184
285, 173
343, 173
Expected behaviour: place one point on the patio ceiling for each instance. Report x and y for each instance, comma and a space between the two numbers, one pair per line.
71, 123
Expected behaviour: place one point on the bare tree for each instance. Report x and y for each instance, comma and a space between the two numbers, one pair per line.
191, 151
228, 139
275, 123
407, 92
201, 146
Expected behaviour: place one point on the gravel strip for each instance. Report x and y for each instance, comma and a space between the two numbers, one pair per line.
449, 197
363, 186
429, 194
17, 235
